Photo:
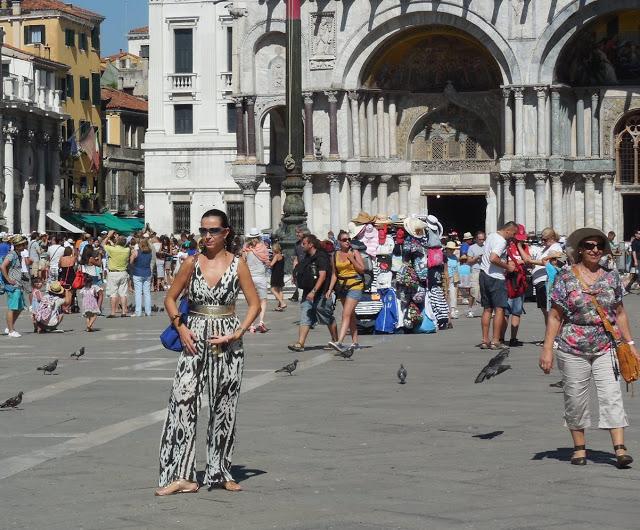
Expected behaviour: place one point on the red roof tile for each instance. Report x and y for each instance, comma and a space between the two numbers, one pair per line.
143, 30
119, 55
42, 5
117, 99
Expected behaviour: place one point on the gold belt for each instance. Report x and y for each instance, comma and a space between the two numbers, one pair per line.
213, 311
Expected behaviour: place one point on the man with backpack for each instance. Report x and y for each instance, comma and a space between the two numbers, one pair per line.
313, 276
516, 283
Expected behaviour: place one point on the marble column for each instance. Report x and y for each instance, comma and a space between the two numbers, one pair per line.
508, 206
518, 94
334, 202
383, 193
595, 125
540, 192
404, 182
332, 97
366, 194
27, 179
541, 110
55, 175
9, 133
589, 200
557, 220
385, 130
249, 188
308, 124
307, 196
521, 203
362, 119
355, 124
41, 203
393, 118
555, 122
356, 200
380, 129
371, 128
607, 203
240, 134
579, 123
508, 122
251, 126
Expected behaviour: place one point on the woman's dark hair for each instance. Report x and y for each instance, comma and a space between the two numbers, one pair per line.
67, 251
341, 233
87, 254
224, 221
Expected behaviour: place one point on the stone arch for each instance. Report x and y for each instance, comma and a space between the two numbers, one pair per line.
277, 138
626, 143
574, 17
366, 41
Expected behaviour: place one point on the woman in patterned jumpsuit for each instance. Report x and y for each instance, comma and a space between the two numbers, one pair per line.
212, 359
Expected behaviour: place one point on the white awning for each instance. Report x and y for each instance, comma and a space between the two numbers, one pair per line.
64, 223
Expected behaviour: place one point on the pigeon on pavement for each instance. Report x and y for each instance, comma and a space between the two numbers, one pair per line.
12, 402
494, 366
402, 374
289, 367
79, 353
559, 384
48, 368
347, 353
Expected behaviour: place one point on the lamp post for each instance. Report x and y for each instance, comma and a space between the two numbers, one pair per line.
293, 208
3, 197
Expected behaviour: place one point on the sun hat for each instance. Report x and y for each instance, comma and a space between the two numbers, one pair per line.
18, 240
56, 288
253, 232
467, 235
521, 234
435, 225
354, 230
574, 239
451, 245
415, 227
363, 218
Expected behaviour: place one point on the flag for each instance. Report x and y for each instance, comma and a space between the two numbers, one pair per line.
89, 145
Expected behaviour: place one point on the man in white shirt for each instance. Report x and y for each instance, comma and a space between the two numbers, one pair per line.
474, 257
55, 252
493, 290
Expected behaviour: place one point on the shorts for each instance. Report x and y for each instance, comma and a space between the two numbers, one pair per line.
515, 306
117, 283
318, 311
474, 284
354, 294
493, 292
15, 300
541, 295
160, 269
261, 287
35, 269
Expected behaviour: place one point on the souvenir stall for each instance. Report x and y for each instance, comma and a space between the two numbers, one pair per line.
404, 274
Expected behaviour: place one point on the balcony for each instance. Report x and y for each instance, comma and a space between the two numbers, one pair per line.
182, 84
21, 89
227, 83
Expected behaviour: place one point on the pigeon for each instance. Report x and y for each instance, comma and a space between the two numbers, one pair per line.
347, 353
50, 367
559, 384
489, 435
289, 367
494, 366
402, 374
12, 402
79, 353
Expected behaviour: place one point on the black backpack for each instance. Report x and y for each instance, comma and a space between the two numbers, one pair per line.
307, 273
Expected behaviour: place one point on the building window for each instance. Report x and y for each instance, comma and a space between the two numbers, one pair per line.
470, 148
83, 41
229, 49
144, 51
69, 37
235, 213
84, 88
181, 217
627, 147
5, 70
69, 85
95, 90
71, 128
231, 117
61, 85
183, 119
183, 51
95, 38
34, 35
437, 148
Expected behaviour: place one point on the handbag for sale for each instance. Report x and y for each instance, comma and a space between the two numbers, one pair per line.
170, 338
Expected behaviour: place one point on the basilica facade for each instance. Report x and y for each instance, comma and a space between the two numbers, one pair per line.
477, 111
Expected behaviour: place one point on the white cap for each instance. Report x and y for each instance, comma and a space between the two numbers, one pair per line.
104, 233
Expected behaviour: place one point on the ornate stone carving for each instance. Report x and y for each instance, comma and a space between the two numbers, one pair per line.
612, 108
181, 170
10, 133
322, 54
43, 137
332, 95
519, 177
354, 95
428, 166
308, 98
354, 177
29, 135
518, 92
264, 103
248, 185
277, 72
540, 177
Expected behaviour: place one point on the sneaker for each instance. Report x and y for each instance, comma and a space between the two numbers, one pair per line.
470, 314
14, 334
262, 328
338, 346
6, 331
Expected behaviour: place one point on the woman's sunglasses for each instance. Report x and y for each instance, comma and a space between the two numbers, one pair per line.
590, 246
211, 231
345, 240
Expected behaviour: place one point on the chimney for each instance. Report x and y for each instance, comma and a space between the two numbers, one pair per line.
17, 8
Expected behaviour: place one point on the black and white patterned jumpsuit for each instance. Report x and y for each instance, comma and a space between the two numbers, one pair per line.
221, 375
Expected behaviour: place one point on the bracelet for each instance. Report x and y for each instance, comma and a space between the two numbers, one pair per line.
174, 317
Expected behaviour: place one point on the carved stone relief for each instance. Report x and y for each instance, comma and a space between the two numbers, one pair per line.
277, 70
612, 109
181, 170
322, 54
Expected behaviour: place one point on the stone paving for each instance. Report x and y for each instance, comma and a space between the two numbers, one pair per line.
338, 445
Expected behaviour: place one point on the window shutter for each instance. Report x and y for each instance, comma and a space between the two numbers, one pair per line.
44, 35
183, 51
96, 96
27, 35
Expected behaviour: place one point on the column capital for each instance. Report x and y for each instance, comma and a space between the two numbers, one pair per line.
556, 176
308, 97
506, 93
333, 178
238, 100
307, 177
28, 135
332, 95
518, 92
354, 177
385, 178
519, 177
595, 95
607, 177
588, 177
354, 95
506, 177
555, 92
541, 91
370, 179
540, 177
404, 178
248, 185
250, 100
10, 133
43, 137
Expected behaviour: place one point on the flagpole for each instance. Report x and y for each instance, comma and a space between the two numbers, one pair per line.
293, 208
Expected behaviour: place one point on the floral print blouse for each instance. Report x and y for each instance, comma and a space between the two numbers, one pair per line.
582, 331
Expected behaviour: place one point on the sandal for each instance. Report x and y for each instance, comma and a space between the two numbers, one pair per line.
579, 460
622, 461
178, 486
485, 346
296, 346
231, 485
499, 346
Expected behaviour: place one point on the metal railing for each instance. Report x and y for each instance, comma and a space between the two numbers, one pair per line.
182, 82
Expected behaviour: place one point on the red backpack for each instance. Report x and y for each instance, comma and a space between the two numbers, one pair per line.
517, 280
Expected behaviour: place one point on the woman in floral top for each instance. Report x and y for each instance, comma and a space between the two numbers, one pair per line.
584, 349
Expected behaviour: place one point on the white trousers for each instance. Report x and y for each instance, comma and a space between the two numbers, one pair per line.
577, 373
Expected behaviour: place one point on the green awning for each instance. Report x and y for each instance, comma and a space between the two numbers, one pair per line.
134, 223
106, 221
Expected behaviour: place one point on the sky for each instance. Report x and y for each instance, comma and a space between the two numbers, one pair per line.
121, 16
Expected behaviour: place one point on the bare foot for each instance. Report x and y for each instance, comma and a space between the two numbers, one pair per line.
231, 485
178, 486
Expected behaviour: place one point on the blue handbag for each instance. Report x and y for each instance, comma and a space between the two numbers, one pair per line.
170, 338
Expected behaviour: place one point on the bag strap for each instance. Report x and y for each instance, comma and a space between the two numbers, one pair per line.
608, 325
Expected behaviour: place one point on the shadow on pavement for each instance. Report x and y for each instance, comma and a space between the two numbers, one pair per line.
564, 454
239, 473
